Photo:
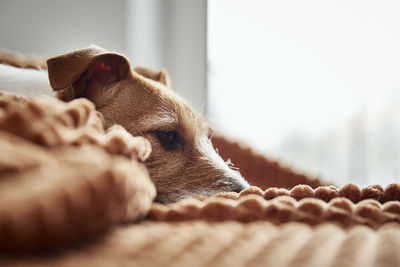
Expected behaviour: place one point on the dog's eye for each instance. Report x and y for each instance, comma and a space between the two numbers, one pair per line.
169, 139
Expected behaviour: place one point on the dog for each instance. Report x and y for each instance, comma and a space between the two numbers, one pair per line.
183, 162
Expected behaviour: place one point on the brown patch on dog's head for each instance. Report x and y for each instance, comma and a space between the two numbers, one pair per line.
183, 161
158, 76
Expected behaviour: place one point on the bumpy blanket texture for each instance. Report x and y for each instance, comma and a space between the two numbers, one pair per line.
74, 194
62, 177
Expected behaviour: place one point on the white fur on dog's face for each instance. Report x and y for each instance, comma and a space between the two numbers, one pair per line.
183, 161
192, 167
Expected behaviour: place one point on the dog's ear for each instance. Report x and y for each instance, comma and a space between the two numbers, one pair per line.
158, 76
92, 68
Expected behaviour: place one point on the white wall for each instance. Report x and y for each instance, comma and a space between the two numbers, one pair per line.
53, 26
172, 34
169, 34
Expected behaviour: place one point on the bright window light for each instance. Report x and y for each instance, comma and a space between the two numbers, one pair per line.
315, 84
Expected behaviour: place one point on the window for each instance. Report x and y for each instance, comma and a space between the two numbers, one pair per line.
314, 84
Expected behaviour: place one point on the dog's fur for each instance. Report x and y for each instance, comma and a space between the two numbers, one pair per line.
183, 162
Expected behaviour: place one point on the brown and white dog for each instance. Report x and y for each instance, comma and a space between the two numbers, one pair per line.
183, 161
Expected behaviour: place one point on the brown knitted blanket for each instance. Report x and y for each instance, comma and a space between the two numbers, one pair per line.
64, 182
62, 177
73, 194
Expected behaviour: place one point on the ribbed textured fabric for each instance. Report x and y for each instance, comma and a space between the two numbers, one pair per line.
19, 60
258, 170
62, 177
200, 243
252, 207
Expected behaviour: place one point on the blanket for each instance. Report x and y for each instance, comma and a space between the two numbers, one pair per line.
62, 177
75, 194
258, 169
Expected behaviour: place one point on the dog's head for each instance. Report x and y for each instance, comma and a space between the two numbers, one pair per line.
183, 161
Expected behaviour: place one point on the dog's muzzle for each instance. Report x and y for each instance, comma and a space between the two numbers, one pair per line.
239, 184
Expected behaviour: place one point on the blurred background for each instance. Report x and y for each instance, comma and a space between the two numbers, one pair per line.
313, 84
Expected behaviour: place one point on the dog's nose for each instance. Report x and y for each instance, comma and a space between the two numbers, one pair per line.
239, 186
